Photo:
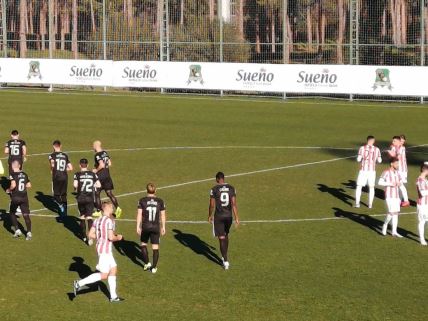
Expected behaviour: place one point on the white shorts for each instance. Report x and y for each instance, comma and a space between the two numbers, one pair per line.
105, 263
423, 213
393, 205
403, 176
366, 178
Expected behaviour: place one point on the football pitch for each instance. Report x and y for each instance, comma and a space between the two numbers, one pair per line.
302, 251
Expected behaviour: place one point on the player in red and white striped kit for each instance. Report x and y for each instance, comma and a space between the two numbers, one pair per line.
392, 181
422, 187
398, 150
103, 231
368, 155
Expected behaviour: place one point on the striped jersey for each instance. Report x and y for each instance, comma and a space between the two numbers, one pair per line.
422, 185
368, 155
391, 177
400, 151
102, 227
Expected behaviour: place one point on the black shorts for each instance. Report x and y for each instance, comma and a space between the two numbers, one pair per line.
22, 203
106, 183
151, 233
59, 186
85, 206
222, 225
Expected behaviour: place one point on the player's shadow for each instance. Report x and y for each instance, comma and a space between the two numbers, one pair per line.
4, 183
352, 184
372, 223
72, 224
83, 270
131, 250
47, 201
197, 245
7, 222
338, 193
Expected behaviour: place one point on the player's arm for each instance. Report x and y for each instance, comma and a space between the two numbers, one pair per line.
163, 222
211, 209
101, 165
24, 151
384, 182
28, 185
75, 184
12, 186
139, 220
6, 150
379, 157
114, 237
91, 234
235, 210
97, 184
69, 167
360, 155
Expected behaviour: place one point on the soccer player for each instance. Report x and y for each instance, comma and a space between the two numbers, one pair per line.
392, 181
60, 165
103, 231
368, 155
15, 149
422, 187
102, 169
398, 150
222, 206
19, 183
151, 219
85, 183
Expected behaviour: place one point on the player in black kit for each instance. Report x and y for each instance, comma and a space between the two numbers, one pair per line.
222, 206
16, 150
151, 220
19, 183
85, 183
102, 169
60, 165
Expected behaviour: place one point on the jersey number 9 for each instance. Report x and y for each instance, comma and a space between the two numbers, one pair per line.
225, 200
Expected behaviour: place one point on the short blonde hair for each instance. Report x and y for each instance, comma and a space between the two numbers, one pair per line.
151, 188
105, 204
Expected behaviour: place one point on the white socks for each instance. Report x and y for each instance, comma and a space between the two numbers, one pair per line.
90, 279
112, 286
394, 224
371, 196
358, 194
404, 193
388, 219
421, 228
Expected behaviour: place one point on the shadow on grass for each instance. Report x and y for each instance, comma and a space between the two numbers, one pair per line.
7, 222
4, 183
83, 270
47, 201
131, 250
372, 223
197, 245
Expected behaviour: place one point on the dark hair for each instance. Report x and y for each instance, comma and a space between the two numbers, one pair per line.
393, 160
84, 162
424, 167
56, 143
396, 137
14, 132
219, 176
370, 137
402, 136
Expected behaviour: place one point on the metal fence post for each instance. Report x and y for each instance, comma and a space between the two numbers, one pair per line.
104, 35
422, 40
220, 16
51, 32
167, 28
161, 35
4, 26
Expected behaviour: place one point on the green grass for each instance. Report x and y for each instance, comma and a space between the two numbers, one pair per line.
304, 270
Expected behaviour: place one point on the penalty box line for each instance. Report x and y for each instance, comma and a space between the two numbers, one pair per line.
228, 176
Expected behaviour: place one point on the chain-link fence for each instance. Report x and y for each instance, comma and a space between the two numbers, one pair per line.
377, 32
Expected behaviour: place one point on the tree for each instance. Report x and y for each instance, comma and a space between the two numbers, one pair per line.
23, 28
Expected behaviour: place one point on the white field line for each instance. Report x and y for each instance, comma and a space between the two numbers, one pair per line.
228, 176
217, 98
287, 220
196, 148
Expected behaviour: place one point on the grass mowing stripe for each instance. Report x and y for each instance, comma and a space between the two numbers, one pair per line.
232, 175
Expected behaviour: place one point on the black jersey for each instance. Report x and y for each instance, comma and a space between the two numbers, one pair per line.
102, 156
61, 162
16, 151
86, 183
223, 194
152, 207
21, 179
